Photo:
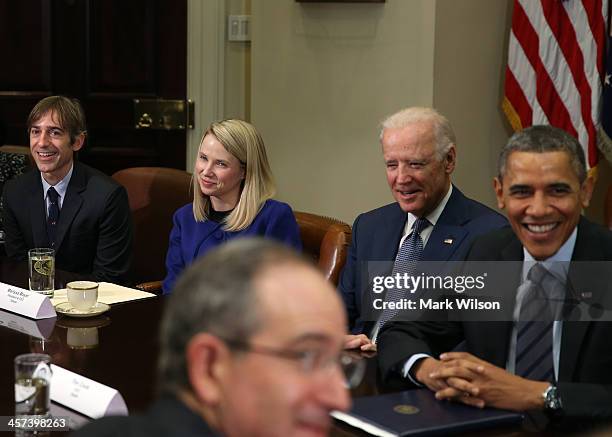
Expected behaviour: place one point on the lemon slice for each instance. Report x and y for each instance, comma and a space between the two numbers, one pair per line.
44, 267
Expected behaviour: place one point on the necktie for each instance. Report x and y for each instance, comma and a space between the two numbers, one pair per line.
53, 217
534, 353
408, 256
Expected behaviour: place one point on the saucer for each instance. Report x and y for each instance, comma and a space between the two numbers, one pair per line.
93, 322
66, 309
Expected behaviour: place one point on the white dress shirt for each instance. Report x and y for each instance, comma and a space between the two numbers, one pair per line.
61, 187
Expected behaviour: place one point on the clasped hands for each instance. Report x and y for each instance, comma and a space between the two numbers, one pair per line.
462, 377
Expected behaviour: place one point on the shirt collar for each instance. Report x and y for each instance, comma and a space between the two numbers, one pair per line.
61, 187
434, 215
558, 264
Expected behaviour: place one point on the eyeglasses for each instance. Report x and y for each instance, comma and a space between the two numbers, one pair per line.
310, 361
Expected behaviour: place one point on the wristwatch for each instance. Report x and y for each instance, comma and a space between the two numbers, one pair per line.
552, 400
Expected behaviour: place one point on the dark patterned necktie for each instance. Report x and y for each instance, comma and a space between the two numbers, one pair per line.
534, 341
53, 217
407, 258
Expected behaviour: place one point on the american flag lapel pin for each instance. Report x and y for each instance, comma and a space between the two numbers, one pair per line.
448, 241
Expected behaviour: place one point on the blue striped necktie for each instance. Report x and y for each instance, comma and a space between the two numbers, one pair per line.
408, 256
53, 217
534, 341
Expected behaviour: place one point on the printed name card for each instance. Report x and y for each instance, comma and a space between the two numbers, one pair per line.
42, 328
25, 302
84, 395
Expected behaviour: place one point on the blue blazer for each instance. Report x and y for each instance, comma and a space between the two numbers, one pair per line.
190, 239
376, 237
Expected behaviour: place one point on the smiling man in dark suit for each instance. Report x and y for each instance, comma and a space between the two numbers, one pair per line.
78, 211
563, 366
419, 151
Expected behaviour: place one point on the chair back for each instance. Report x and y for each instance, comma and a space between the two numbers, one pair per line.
326, 240
154, 193
14, 161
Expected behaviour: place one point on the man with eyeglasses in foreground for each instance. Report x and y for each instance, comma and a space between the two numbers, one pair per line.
251, 342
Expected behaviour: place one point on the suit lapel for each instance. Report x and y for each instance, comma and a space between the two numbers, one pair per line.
574, 332
513, 252
207, 228
443, 242
386, 244
500, 332
71, 204
38, 213
448, 232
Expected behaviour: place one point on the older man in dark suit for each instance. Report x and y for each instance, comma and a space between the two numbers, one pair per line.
419, 152
560, 365
63, 204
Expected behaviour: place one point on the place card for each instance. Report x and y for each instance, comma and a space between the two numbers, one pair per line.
42, 328
85, 395
25, 302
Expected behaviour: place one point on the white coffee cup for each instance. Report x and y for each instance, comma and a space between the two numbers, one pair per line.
82, 295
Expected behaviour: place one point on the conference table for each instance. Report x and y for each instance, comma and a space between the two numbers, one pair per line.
120, 350
124, 356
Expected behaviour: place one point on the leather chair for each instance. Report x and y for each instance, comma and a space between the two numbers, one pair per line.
608, 209
154, 193
326, 241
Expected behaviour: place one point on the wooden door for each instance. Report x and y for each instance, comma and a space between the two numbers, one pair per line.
106, 53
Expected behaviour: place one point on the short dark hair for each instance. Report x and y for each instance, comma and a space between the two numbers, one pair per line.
541, 139
69, 113
216, 295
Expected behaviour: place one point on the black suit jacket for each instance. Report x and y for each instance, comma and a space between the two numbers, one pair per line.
376, 236
167, 417
94, 231
585, 362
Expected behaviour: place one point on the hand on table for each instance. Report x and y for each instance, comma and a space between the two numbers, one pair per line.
424, 368
359, 341
479, 383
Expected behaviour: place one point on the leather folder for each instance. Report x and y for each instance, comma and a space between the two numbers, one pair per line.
419, 413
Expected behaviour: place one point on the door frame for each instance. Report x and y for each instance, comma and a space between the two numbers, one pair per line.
205, 68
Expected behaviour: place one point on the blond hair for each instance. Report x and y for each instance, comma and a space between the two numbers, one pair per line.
242, 140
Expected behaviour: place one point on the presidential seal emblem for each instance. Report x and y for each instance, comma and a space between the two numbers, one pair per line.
406, 409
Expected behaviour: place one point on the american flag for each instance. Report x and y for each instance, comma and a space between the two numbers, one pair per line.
556, 67
605, 137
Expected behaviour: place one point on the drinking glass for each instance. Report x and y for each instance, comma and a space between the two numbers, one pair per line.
41, 266
32, 384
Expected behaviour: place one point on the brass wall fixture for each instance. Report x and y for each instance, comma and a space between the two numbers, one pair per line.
163, 114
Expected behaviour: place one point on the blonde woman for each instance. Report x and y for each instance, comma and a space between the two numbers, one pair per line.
233, 189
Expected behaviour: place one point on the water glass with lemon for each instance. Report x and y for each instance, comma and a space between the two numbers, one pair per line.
41, 265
